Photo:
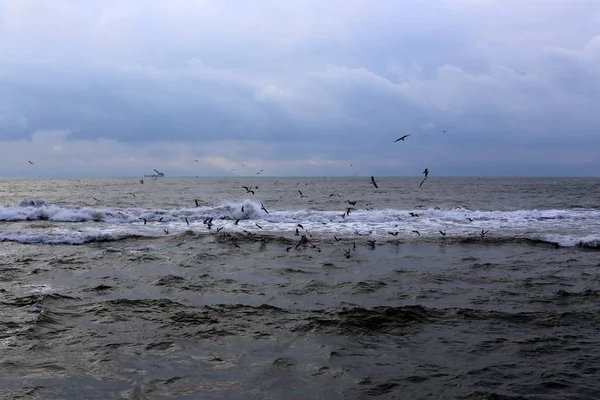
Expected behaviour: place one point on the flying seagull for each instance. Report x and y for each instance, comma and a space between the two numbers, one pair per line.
401, 138
374, 182
426, 172
30, 162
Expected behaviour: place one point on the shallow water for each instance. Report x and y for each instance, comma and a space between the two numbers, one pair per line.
116, 308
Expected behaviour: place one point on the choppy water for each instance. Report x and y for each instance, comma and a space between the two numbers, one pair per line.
115, 289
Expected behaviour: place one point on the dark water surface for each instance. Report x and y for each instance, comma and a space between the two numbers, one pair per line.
96, 303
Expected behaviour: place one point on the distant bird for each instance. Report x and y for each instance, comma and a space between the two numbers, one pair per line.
236, 221
187, 222
426, 172
142, 181
484, 232
197, 204
166, 231
133, 194
334, 194
443, 233
248, 189
96, 199
470, 219
219, 229
262, 207
301, 195
144, 220
259, 227
371, 243
347, 253
401, 138
195, 160
394, 233
417, 232
352, 203
374, 182
412, 214
30, 162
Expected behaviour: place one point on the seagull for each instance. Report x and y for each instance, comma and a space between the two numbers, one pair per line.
142, 181
484, 232
301, 195
374, 182
30, 162
197, 204
144, 220
248, 189
401, 138
426, 172
166, 231
443, 233
262, 207
417, 232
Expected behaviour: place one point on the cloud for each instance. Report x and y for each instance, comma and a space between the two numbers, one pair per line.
301, 86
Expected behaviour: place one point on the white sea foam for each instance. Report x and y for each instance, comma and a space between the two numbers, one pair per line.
568, 227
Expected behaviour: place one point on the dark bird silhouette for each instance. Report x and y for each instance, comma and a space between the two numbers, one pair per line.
236, 221
412, 214
371, 243
300, 226
426, 172
133, 194
248, 189
259, 227
30, 162
443, 233
484, 232
334, 194
142, 181
197, 204
348, 210
470, 219
394, 233
352, 203
262, 207
144, 219
347, 253
336, 239
96, 199
374, 182
166, 231
301, 195
417, 232
219, 229
160, 219
242, 208
401, 138
187, 222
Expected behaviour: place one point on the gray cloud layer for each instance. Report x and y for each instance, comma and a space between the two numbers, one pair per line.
300, 87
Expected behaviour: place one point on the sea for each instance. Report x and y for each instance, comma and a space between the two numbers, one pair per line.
300, 288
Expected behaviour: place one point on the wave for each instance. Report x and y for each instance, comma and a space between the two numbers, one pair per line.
557, 228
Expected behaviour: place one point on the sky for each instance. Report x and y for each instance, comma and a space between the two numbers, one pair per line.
116, 88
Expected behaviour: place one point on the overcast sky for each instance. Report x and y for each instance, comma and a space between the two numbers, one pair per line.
299, 87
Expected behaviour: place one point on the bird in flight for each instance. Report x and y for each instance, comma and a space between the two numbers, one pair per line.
30, 162
374, 182
426, 172
401, 138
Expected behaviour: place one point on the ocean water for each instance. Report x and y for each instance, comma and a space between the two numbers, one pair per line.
307, 288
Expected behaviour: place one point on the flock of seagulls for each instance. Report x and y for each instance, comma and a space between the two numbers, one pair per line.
300, 230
